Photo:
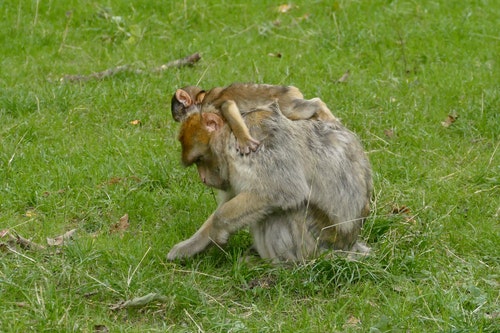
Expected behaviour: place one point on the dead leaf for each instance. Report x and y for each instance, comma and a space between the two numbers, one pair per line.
493, 315
60, 240
101, 328
4, 247
397, 209
450, 119
277, 55
304, 17
121, 225
389, 133
30, 213
119, 180
47, 193
405, 211
352, 322
410, 219
344, 78
265, 283
22, 304
135, 122
284, 8
90, 294
114, 180
139, 301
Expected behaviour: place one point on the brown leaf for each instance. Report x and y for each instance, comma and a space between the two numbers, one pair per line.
450, 119
101, 328
30, 213
114, 180
22, 304
284, 8
410, 219
265, 283
135, 122
397, 209
277, 55
352, 322
304, 17
344, 78
60, 240
389, 133
121, 225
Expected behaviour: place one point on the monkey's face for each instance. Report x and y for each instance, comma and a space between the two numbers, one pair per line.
195, 137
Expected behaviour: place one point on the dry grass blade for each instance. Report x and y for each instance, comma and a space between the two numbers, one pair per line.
139, 301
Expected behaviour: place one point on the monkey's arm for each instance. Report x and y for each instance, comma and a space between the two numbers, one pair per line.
246, 143
242, 210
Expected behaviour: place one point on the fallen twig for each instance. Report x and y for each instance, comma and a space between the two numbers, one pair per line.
186, 61
60, 240
95, 76
26, 243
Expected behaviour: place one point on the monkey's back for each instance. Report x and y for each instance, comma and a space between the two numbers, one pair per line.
305, 165
248, 96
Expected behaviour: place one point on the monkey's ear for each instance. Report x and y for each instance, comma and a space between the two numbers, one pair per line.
212, 122
183, 98
200, 97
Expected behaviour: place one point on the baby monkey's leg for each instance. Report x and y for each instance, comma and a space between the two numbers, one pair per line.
303, 109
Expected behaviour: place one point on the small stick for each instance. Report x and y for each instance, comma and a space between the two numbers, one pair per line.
95, 76
26, 243
186, 61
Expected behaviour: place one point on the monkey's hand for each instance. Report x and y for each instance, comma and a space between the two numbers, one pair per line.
247, 145
188, 248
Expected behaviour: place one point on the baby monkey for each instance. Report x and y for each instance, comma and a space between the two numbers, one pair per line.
238, 99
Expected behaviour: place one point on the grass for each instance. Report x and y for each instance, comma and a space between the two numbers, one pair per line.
70, 158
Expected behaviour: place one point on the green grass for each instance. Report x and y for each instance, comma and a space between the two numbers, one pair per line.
70, 158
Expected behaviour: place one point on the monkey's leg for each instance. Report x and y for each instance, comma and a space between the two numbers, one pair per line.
246, 143
306, 109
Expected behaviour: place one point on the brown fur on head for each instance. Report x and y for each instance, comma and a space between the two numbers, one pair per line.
185, 100
195, 134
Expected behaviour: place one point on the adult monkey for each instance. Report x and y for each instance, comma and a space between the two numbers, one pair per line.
306, 190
